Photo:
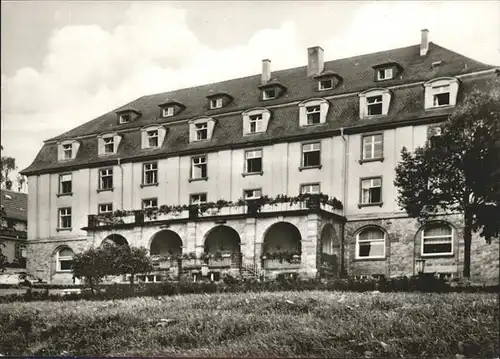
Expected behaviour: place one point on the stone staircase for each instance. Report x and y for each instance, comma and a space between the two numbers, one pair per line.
252, 271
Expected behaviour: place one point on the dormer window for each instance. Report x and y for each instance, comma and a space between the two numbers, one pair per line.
153, 136
125, 118
127, 115
108, 143
269, 94
217, 99
67, 150
313, 112
171, 107
255, 121
328, 80
387, 71
326, 84
216, 103
441, 92
201, 129
384, 74
374, 102
441, 96
168, 111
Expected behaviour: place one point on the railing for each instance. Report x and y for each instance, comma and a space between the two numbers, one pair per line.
251, 209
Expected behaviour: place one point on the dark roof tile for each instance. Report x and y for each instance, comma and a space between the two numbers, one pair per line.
15, 204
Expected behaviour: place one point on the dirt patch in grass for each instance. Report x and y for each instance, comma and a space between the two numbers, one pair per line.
280, 324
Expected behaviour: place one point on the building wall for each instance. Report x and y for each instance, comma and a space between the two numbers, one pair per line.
403, 247
281, 175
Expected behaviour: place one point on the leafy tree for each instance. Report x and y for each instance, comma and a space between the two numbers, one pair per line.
458, 171
8, 164
92, 265
136, 261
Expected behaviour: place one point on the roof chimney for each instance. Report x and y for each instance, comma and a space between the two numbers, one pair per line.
424, 42
266, 71
315, 62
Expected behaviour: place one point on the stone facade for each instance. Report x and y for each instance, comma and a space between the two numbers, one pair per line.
253, 232
403, 248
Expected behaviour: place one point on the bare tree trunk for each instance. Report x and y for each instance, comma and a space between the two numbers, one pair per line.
467, 243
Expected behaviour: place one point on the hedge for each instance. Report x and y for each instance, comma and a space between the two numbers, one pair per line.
233, 285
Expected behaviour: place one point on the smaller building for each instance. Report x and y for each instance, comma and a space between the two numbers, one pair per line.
13, 230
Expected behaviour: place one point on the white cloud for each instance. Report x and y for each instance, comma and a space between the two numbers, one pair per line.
89, 71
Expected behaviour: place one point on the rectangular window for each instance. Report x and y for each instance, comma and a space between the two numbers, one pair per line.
252, 193
216, 103
384, 74
105, 208
201, 131
311, 154
310, 188
313, 114
152, 138
150, 173
65, 217
106, 178
374, 104
371, 190
67, 151
199, 167
437, 239
150, 203
371, 244
441, 95
65, 183
325, 84
372, 147
256, 123
109, 144
198, 198
253, 161
168, 111
125, 118
269, 94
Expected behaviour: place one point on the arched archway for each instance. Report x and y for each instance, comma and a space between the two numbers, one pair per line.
222, 239
330, 249
115, 239
282, 246
165, 242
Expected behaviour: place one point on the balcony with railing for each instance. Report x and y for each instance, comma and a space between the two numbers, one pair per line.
251, 208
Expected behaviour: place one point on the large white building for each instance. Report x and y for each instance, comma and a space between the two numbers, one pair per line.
335, 128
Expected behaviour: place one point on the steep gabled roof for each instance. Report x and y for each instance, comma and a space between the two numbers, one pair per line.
15, 204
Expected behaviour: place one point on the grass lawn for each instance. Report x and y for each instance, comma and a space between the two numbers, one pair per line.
282, 324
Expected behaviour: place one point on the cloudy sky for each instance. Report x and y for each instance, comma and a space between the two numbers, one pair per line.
65, 63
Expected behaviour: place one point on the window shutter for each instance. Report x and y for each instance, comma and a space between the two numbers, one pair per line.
117, 140
192, 132
453, 93
144, 139
246, 124
265, 120
210, 128
100, 146
76, 146
161, 136
386, 101
60, 152
302, 116
363, 110
324, 111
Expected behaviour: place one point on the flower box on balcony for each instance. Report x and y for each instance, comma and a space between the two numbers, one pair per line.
281, 264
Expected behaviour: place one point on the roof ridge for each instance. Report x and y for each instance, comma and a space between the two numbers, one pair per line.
12, 191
